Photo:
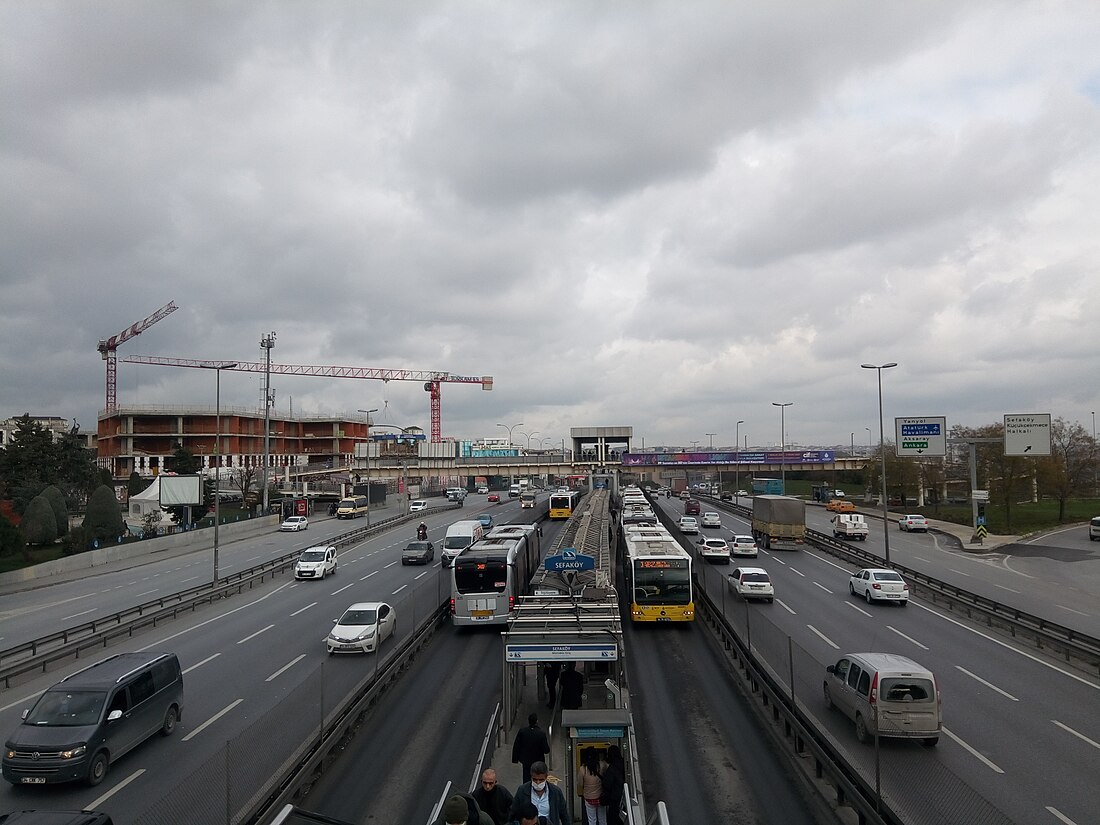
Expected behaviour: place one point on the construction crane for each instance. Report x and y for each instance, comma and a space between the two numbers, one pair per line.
107, 349
432, 380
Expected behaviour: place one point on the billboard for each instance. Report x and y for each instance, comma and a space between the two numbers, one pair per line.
765, 457
177, 491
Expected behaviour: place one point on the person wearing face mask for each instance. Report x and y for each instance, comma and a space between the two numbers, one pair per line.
548, 799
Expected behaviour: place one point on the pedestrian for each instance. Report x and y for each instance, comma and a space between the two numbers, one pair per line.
460, 809
572, 687
590, 788
550, 673
527, 814
493, 799
530, 746
614, 777
548, 799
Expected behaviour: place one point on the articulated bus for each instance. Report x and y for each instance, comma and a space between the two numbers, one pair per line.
351, 507
658, 577
488, 575
562, 505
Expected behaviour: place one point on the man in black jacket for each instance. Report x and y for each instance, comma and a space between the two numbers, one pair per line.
530, 746
493, 799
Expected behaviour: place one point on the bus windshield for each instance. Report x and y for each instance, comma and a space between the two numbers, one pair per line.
662, 585
481, 576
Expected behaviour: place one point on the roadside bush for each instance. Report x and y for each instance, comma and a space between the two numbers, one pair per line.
39, 522
74, 542
11, 539
103, 520
61, 512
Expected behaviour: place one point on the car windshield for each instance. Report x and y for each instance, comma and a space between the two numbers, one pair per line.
481, 576
60, 708
357, 617
887, 576
457, 542
313, 555
754, 577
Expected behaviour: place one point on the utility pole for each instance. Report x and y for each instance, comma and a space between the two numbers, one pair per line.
268, 343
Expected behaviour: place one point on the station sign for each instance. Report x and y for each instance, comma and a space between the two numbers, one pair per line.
921, 437
1027, 434
569, 559
567, 652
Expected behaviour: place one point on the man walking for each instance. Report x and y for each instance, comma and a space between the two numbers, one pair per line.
530, 746
548, 799
493, 799
550, 672
572, 687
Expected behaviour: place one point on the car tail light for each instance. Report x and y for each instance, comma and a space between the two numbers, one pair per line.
904, 586
511, 603
874, 690
876, 586
452, 607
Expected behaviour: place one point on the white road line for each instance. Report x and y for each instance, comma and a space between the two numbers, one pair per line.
907, 638
303, 609
794, 570
1009, 589
391, 564
398, 590
422, 575
1082, 736
200, 664
1060, 816
824, 560
973, 752
285, 668
857, 607
989, 685
1071, 610
211, 720
219, 617
190, 579
824, 638
1023, 653
97, 803
74, 615
783, 604
364, 578
919, 558
146, 593
342, 589
254, 635
960, 572
823, 587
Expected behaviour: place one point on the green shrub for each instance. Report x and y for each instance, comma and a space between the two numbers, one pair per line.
74, 542
39, 522
61, 512
103, 520
11, 539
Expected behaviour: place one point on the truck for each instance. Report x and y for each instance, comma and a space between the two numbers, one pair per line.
513, 491
527, 499
778, 522
849, 526
767, 486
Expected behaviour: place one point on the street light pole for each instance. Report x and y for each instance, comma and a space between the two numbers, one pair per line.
533, 432
783, 442
710, 441
367, 413
268, 343
217, 366
882, 448
509, 429
737, 458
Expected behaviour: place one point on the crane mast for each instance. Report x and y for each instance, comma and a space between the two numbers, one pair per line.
107, 350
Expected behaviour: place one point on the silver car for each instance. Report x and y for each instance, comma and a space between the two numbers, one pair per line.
878, 585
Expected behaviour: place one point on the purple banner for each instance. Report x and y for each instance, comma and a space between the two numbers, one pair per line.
776, 457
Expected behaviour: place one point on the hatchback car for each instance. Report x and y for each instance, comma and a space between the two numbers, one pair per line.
316, 562
913, 524
486, 520
752, 583
840, 505
689, 524
494, 498
418, 505
744, 546
879, 585
362, 628
714, 550
685, 495
294, 524
712, 520
418, 552
482, 490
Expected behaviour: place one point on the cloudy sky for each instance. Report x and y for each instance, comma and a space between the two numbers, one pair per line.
667, 215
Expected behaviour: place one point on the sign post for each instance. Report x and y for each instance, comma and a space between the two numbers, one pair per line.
1027, 434
925, 437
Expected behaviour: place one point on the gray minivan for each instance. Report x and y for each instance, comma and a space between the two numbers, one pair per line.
92, 717
887, 693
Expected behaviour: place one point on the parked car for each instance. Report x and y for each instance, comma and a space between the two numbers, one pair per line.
294, 524
486, 520
494, 498
876, 585
714, 550
418, 505
887, 695
362, 628
913, 524
711, 520
689, 524
752, 583
418, 552
316, 562
743, 546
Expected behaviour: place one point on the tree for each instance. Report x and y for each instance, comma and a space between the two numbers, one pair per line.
39, 523
103, 520
136, 484
61, 513
1071, 466
11, 540
1006, 477
183, 462
76, 466
242, 480
28, 463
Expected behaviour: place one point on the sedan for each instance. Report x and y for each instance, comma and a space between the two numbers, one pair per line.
689, 524
752, 583
741, 493
913, 523
294, 524
482, 490
712, 520
362, 628
714, 550
879, 585
418, 505
418, 552
494, 498
486, 520
743, 546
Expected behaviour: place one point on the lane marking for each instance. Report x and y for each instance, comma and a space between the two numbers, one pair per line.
1071, 610
422, 575
99, 802
303, 609
919, 558
364, 578
200, 664
391, 564
857, 607
1009, 589
211, 720
1061, 816
254, 635
823, 587
824, 638
907, 638
190, 579
74, 615
973, 752
342, 589
989, 685
1082, 736
794, 570
285, 668
398, 590
960, 572
783, 604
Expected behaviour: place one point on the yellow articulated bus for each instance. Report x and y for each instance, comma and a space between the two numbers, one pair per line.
658, 577
563, 504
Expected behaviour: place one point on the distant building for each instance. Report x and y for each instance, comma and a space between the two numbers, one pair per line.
58, 426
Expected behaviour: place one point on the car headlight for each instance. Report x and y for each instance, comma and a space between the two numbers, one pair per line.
72, 753
366, 634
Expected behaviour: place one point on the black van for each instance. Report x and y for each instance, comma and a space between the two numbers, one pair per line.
89, 719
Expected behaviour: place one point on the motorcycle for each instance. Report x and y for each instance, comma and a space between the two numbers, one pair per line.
422, 532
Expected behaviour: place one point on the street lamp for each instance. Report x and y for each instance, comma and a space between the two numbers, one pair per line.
737, 458
882, 448
782, 442
534, 432
268, 343
509, 429
694, 444
217, 366
710, 442
367, 414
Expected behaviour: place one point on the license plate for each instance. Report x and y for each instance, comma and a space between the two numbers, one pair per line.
481, 614
33, 780
893, 595
663, 619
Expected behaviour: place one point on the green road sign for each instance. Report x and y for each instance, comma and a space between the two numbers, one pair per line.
914, 445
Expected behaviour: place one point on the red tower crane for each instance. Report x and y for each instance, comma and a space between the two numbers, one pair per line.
431, 379
107, 348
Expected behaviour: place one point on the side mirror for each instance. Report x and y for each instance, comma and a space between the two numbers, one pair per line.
26, 713
831, 669
114, 715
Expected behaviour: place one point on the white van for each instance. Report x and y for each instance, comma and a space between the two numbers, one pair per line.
849, 526
460, 535
1094, 529
513, 491
887, 694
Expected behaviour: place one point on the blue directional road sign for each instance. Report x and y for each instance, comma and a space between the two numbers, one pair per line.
921, 436
570, 559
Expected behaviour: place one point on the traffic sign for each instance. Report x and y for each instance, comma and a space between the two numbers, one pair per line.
921, 436
570, 559
1027, 434
979, 495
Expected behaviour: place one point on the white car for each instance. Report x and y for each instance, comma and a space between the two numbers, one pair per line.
418, 505
913, 523
744, 546
316, 562
294, 524
714, 550
483, 490
740, 493
879, 585
362, 628
712, 520
689, 524
752, 583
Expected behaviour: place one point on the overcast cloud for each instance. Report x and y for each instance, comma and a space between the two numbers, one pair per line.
667, 215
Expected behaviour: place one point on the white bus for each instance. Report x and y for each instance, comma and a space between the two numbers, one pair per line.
488, 576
